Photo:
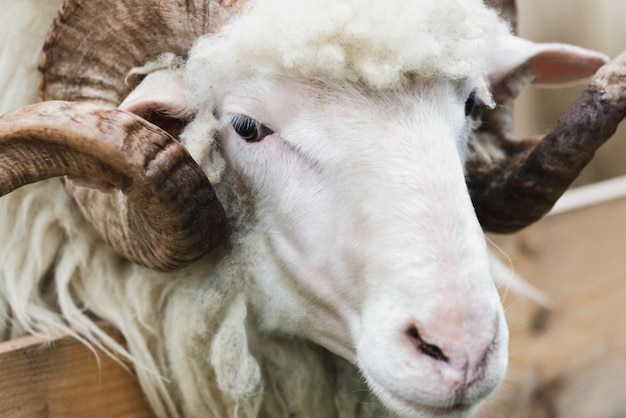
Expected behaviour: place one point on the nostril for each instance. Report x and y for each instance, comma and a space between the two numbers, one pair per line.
428, 349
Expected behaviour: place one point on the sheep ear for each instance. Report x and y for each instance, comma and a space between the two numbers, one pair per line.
550, 63
162, 99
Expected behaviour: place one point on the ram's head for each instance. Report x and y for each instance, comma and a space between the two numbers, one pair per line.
341, 139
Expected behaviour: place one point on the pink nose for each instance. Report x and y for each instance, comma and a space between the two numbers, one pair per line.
460, 370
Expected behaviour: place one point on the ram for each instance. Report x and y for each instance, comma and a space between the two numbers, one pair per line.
270, 198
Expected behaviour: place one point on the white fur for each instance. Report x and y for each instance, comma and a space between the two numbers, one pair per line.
371, 42
349, 224
357, 156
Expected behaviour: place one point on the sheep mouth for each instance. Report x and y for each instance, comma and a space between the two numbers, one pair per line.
455, 410
458, 408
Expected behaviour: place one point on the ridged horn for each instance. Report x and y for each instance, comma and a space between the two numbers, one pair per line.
168, 217
514, 183
93, 44
163, 213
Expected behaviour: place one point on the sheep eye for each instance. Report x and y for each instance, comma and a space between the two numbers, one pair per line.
470, 103
250, 130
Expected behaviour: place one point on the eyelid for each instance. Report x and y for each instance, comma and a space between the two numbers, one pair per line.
470, 103
233, 117
242, 119
239, 122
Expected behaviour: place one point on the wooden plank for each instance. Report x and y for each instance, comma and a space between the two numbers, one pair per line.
63, 378
568, 361
586, 196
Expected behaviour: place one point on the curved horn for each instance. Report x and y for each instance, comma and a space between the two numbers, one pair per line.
92, 45
520, 182
161, 195
166, 217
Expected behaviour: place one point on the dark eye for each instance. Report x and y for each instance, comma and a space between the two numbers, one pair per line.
470, 103
249, 129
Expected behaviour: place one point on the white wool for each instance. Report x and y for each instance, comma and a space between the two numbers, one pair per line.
194, 347
230, 351
199, 139
46, 289
352, 40
189, 337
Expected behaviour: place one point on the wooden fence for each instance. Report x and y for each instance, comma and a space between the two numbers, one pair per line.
62, 378
568, 360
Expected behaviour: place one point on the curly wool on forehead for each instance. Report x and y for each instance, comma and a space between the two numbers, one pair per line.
368, 41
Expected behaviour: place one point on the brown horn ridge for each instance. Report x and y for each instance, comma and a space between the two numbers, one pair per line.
513, 183
93, 44
163, 212
520, 182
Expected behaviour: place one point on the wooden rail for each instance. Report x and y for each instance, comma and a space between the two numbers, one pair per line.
569, 360
62, 378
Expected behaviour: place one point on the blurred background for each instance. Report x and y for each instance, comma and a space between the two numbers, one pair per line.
568, 346
593, 24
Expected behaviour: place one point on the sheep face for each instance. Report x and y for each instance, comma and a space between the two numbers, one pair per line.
357, 230
371, 236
